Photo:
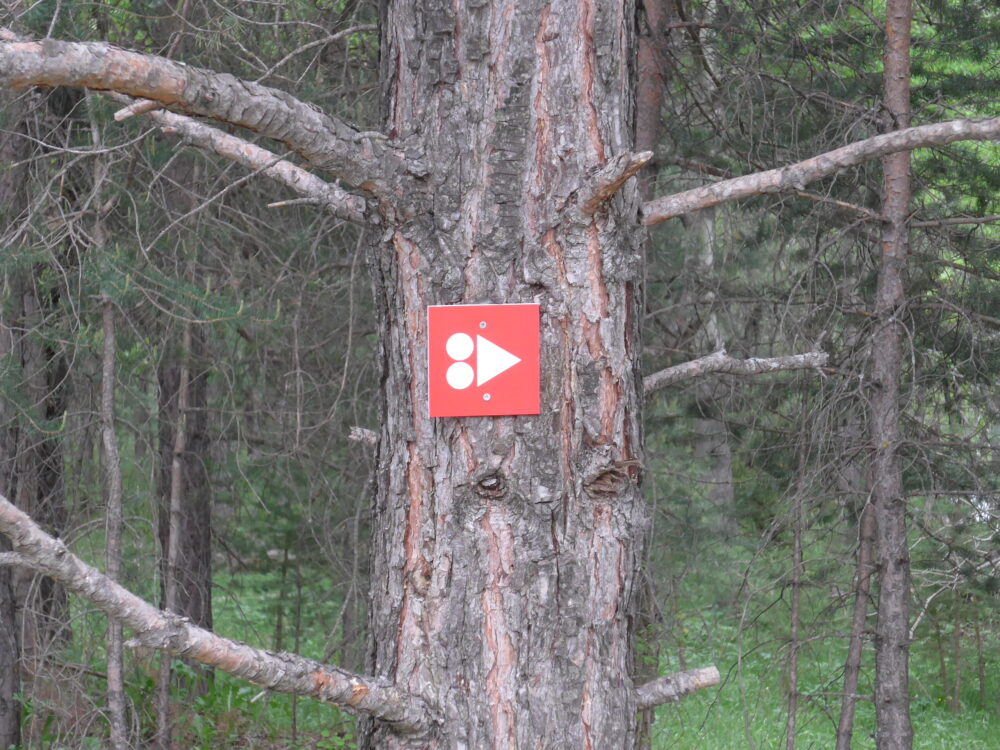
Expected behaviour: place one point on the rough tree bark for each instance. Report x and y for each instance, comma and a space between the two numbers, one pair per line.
892, 702
504, 552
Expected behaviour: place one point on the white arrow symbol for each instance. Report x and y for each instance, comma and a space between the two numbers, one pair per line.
491, 360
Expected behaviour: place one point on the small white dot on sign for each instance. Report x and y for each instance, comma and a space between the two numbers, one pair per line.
482, 324
459, 346
486, 397
460, 376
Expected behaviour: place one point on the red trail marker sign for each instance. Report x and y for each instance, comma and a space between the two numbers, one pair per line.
483, 360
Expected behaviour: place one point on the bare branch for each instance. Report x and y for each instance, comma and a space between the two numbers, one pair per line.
609, 180
12, 558
363, 435
138, 107
696, 166
284, 673
320, 192
673, 687
796, 176
951, 306
866, 212
722, 362
323, 140
955, 221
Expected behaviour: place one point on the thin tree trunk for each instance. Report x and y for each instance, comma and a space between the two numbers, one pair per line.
193, 568
942, 663
33, 609
10, 646
174, 531
13, 181
113, 524
40, 486
892, 712
653, 74
980, 662
796, 583
862, 591
956, 660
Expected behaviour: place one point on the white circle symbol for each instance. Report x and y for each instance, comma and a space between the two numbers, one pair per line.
459, 346
460, 375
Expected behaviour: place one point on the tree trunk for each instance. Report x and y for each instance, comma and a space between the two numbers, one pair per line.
13, 150
40, 488
184, 523
956, 660
802, 486
193, 563
892, 712
10, 646
652, 75
942, 664
505, 549
859, 616
113, 526
980, 659
33, 609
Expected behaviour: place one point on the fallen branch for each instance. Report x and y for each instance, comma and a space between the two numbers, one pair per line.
796, 176
673, 687
283, 673
722, 362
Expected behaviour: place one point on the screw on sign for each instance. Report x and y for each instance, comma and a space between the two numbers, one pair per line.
483, 360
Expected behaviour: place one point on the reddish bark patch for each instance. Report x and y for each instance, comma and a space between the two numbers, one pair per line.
609, 391
412, 289
587, 55
551, 245
414, 564
543, 145
595, 271
500, 685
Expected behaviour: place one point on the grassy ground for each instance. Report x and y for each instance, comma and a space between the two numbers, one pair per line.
748, 710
